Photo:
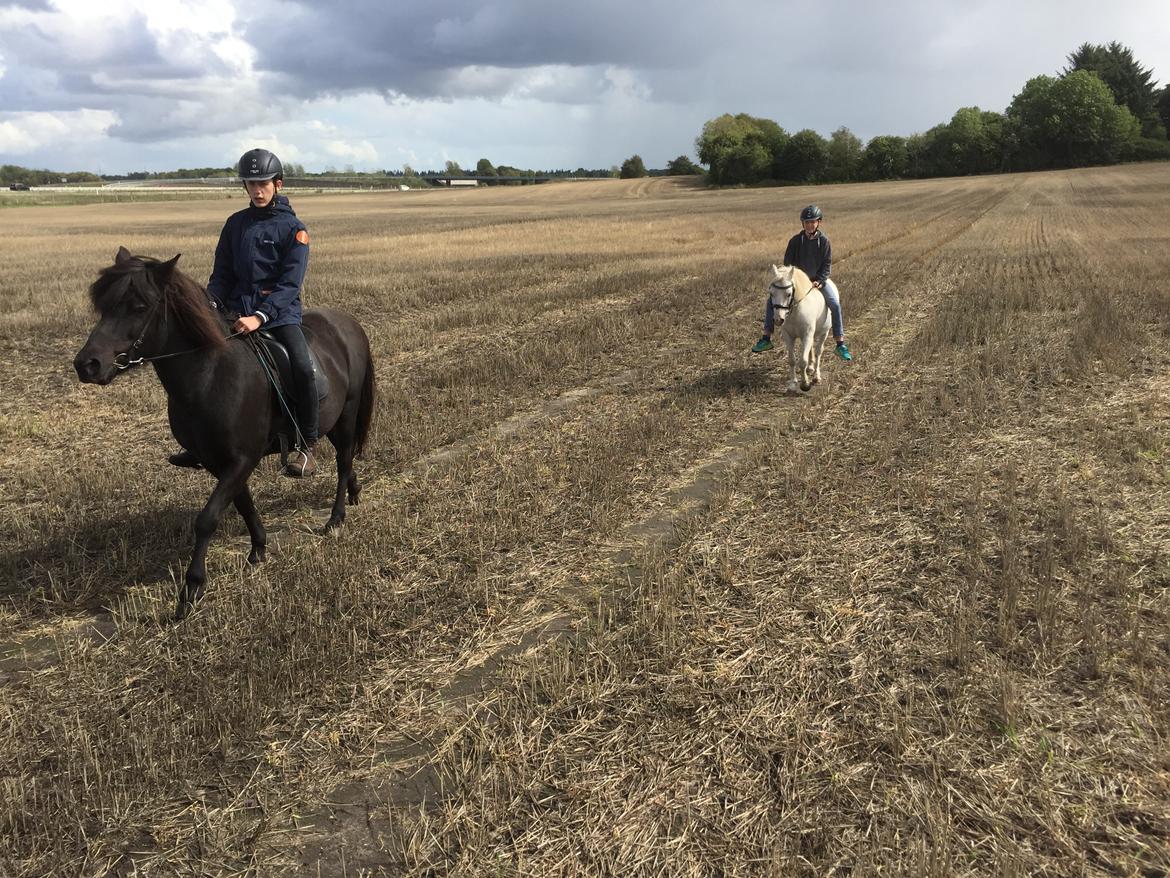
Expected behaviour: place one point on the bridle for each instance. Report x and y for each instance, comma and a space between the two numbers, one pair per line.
126, 360
786, 305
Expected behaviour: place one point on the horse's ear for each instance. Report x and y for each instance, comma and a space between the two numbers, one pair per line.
162, 271
122, 256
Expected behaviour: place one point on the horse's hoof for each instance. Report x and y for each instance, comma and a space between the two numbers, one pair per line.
353, 496
806, 387
332, 527
183, 610
257, 555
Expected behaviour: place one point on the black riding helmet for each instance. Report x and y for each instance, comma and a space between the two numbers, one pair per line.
812, 212
260, 164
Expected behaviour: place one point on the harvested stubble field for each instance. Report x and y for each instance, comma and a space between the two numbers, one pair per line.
612, 604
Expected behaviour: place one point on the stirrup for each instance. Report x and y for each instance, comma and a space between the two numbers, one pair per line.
300, 463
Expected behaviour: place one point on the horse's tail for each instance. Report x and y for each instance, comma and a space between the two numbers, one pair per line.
365, 407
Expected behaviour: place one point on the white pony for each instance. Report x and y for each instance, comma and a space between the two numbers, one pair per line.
804, 322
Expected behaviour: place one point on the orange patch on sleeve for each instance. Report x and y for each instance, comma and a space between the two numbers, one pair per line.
303, 236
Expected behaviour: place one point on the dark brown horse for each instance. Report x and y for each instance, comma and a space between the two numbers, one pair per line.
219, 400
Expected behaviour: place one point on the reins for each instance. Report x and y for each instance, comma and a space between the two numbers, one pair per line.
124, 360
138, 361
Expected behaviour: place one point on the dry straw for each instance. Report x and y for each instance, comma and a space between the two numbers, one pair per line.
669, 623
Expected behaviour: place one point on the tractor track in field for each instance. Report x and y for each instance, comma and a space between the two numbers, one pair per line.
37, 647
608, 583
348, 828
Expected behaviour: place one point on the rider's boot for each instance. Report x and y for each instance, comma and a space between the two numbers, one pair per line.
185, 458
301, 463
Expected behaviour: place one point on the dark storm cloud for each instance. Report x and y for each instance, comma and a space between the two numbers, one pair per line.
52, 64
125, 45
418, 48
124, 60
593, 80
741, 52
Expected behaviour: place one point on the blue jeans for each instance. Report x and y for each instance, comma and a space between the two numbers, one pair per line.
293, 338
832, 299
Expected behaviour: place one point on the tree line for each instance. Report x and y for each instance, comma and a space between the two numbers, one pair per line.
1101, 109
10, 174
634, 166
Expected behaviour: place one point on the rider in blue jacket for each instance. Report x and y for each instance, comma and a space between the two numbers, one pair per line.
810, 251
259, 268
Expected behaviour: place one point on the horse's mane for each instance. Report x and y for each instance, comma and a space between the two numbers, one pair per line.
801, 282
185, 299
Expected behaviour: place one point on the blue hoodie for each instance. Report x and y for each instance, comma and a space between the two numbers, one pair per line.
260, 263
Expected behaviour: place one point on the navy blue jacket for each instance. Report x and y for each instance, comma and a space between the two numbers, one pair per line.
260, 263
813, 256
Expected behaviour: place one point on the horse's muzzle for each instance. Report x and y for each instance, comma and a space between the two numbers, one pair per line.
90, 370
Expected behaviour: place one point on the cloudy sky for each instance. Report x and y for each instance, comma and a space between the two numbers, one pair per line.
121, 85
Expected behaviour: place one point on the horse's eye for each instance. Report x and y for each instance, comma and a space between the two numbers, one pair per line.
137, 307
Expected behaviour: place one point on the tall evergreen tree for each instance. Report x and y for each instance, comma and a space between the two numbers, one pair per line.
1164, 107
1132, 85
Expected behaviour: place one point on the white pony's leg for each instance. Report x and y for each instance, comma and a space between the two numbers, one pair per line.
789, 343
806, 365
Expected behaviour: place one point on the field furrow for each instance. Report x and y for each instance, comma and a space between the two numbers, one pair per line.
613, 604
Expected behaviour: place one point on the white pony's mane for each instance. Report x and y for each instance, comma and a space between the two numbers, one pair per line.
790, 273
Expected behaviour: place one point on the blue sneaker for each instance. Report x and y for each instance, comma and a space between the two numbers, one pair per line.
843, 352
764, 344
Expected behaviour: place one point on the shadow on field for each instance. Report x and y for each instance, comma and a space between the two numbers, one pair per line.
91, 563
740, 381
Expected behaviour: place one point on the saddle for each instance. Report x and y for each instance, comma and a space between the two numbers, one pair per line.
276, 357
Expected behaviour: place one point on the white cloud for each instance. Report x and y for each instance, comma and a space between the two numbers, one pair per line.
24, 133
182, 16
362, 151
627, 86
